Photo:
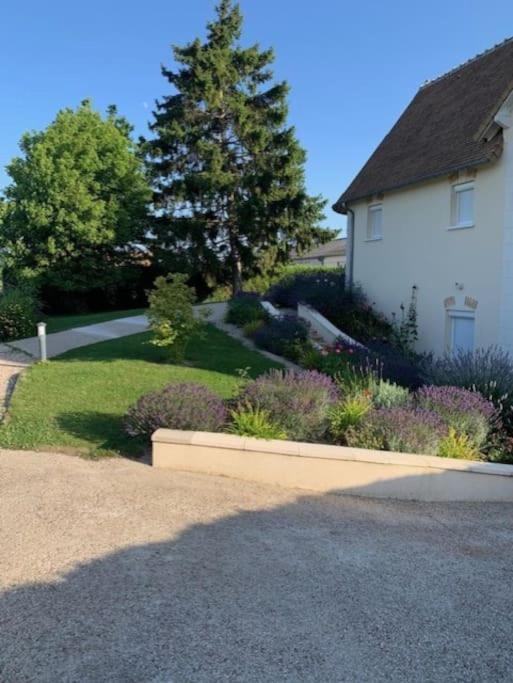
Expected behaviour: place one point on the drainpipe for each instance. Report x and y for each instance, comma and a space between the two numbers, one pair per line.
350, 239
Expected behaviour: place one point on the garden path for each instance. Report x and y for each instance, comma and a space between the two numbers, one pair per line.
60, 342
216, 315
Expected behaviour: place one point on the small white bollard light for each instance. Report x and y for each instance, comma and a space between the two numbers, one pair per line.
41, 333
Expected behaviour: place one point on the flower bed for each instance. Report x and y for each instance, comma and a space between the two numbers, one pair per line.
361, 410
391, 365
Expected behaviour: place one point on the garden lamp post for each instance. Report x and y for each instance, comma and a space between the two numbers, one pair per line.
41, 333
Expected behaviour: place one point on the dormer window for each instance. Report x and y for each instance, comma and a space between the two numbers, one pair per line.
462, 205
375, 222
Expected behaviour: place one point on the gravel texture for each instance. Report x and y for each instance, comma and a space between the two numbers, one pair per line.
112, 571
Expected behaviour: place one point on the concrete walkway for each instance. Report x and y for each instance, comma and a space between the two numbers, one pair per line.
114, 571
60, 342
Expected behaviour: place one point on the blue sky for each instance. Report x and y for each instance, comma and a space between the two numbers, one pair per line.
352, 66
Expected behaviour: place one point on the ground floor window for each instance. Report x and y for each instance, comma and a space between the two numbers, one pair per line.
461, 331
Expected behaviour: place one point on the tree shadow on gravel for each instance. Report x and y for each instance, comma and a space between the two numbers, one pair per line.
321, 589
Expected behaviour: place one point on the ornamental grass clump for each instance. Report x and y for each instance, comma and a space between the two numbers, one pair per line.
467, 412
348, 413
459, 446
186, 406
297, 402
248, 420
404, 430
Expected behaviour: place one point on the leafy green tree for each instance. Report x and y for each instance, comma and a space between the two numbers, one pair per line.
76, 204
228, 172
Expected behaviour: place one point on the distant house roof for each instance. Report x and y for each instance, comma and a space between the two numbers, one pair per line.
335, 247
443, 128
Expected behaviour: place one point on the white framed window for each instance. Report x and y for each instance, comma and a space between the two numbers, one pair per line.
462, 206
461, 330
375, 222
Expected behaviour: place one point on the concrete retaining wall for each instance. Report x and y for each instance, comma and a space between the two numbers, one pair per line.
326, 330
271, 310
333, 469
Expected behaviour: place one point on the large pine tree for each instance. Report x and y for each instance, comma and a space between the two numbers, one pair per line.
228, 171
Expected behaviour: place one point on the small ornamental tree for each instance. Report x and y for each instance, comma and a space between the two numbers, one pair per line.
75, 208
171, 314
227, 171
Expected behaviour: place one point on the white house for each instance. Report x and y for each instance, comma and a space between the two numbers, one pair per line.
433, 207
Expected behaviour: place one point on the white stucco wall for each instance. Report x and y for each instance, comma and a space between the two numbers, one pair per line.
417, 248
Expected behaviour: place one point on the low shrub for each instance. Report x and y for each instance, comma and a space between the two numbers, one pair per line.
298, 402
250, 328
171, 314
404, 430
244, 309
282, 272
488, 371
307, 284
186, 406
324, 290
456, 445
348, 413
382, 361
18, 313
332, 360
284, 336
355, 316
248, 420
465, 411
388, 395
396, 366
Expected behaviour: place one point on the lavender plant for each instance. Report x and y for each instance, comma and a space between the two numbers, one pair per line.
489, 371
399, 429
465, 411
177, 406
298, 402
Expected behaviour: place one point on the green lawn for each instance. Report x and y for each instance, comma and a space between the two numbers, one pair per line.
58, 323
76, 401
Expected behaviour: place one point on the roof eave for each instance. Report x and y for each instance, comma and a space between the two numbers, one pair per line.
341, 205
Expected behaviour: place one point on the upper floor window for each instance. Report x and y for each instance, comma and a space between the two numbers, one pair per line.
463, 205
375, 222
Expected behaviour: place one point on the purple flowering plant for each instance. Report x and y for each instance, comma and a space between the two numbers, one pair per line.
186, 406
466, 411
298, 402
404, 430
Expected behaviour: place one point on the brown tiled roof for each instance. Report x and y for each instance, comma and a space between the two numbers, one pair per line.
441, 131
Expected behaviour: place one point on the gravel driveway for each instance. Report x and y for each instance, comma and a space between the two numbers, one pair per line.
112, 571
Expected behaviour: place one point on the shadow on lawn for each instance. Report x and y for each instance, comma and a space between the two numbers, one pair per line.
104, 430
318, 589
